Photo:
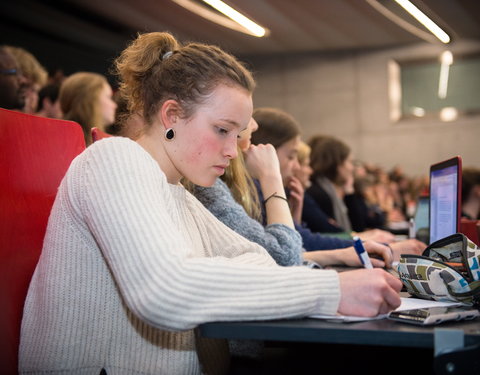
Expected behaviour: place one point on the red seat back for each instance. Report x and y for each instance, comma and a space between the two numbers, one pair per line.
98, 134
35, 153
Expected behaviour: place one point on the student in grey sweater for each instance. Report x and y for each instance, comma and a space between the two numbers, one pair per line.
283, 243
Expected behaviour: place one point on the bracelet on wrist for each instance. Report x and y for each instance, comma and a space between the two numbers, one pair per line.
275, 195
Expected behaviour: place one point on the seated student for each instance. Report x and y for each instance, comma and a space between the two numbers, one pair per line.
234, 201
132, 262
313, 216
86, 98
311, 213
333, 184
471, 193
282, 131
35, 77
365, 185
12, 82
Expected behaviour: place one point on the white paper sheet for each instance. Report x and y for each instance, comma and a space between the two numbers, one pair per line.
407, 303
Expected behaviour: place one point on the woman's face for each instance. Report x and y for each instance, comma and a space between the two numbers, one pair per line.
245, 137
304, 172
107, 105
205, 143
345, 170
287, 156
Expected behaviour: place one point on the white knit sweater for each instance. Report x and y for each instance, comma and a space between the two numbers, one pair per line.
131, 264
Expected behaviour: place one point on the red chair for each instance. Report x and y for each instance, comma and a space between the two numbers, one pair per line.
35, 153
98, 134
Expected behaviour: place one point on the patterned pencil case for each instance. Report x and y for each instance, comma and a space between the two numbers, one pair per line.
448, 270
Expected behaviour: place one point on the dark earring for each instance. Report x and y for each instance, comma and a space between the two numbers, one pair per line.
169, 134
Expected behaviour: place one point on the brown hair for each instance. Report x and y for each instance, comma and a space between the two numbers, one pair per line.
274, 126
155, 68
78, 97
327, 154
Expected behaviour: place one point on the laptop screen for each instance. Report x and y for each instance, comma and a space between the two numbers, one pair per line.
421, 219
445, 188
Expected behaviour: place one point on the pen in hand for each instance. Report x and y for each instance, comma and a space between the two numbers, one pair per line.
361, 252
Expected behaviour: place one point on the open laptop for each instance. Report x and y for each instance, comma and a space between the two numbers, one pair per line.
445, 198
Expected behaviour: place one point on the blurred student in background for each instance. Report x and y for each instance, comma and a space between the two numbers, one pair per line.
312, 214
333, 186
12, 82
35, 77
86, 98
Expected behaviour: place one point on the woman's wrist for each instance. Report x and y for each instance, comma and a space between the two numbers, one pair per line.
275, 195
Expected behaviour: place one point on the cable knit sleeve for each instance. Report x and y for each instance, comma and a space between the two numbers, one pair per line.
136, 218
283, 243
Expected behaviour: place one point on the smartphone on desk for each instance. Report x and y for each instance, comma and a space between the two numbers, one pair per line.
435, 315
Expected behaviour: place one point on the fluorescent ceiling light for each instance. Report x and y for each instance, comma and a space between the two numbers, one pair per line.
446, 61
241, 23
236, 16
424, 20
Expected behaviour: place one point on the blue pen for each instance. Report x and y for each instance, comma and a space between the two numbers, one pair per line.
361, 252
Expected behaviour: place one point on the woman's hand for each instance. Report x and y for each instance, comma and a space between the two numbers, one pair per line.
411, 246
380, 255
368, 292
295, 200
262, 162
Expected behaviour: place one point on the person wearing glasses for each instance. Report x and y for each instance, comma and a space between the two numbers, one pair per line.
35, 76
12, 82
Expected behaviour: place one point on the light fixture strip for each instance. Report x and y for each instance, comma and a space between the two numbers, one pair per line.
446, 60
237, 17
424, 20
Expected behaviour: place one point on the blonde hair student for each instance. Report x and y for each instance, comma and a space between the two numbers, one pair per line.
86, 98
132, 263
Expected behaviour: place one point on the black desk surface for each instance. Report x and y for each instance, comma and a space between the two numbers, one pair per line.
374, 332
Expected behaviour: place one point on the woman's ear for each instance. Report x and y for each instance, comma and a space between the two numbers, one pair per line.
169, 113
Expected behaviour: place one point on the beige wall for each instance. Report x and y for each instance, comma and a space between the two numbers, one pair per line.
346, 95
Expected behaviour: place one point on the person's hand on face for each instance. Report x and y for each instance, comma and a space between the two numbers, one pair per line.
261, 160
295, 200
245, 136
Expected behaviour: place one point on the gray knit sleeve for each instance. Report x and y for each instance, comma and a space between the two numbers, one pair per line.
283, 243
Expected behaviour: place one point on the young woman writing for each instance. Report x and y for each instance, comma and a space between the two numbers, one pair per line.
132, 262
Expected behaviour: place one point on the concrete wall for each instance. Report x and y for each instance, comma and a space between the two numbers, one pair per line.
346, 95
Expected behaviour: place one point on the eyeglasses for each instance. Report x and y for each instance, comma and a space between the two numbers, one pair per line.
10, 72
